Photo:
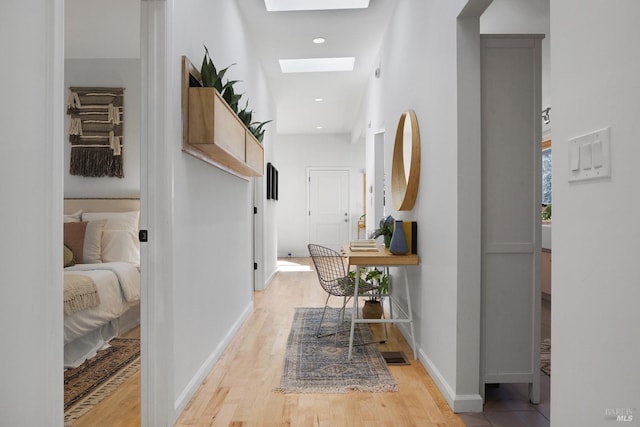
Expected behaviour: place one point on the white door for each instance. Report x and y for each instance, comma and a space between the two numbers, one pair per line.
329, 207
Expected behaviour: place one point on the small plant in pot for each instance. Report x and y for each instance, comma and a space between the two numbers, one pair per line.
373, 306
385, 228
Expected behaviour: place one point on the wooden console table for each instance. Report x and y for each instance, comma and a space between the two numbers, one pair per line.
381, 258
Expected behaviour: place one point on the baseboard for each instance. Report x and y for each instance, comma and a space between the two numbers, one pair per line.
457, 402
183, 399
270, 278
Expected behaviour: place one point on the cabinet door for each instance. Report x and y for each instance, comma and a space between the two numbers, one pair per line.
511, 194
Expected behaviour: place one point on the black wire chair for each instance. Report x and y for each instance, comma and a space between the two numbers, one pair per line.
334, 279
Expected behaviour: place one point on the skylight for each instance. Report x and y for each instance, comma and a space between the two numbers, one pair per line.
315, 65
287, 5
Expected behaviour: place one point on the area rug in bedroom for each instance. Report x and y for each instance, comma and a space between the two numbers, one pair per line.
94, 380
321, 365
545, 356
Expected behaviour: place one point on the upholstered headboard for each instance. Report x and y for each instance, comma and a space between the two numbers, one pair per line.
101, 205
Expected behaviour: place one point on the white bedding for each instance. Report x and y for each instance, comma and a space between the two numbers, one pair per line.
89, 330
127, 274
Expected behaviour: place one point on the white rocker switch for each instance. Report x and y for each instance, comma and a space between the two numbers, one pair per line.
596, 154
585, 156
574, 156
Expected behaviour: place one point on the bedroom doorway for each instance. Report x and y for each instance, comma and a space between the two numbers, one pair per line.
100, 60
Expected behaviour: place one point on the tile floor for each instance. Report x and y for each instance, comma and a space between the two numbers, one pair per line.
507, 405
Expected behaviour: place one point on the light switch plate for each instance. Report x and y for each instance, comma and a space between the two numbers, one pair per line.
590, 156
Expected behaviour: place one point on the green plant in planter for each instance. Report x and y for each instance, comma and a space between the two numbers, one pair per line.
381, 279
385, 228
373, 276
258, 130
245, 115
372, 308
213, 78
546, 213
210, 76
229, 95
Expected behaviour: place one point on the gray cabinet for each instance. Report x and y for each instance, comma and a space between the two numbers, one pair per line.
511, 196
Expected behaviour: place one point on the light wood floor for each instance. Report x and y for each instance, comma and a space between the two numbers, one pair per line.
238, 390
122, 408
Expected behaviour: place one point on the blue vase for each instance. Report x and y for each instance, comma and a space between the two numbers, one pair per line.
398, 240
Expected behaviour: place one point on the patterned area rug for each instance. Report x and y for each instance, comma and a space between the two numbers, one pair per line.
545, 356
94, 380
320, 365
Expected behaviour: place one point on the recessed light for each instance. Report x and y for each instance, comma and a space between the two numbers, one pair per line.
319, 40
284, 5
311, 65
318, 127
319, 99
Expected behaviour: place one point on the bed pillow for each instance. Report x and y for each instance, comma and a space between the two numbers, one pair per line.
69, 260
120, 239
120, 246
115, 220
74, 217
85, 240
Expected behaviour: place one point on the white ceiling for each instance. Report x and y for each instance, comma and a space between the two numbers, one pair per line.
289, 35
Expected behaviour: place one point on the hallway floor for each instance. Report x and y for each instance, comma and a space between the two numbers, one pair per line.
239, 389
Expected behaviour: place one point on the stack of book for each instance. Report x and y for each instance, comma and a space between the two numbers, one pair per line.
363, 245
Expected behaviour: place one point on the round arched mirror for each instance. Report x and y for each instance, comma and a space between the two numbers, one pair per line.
405, 166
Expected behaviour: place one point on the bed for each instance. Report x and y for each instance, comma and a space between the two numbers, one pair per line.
101, 274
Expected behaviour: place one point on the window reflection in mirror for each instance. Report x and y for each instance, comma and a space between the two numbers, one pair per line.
406, 148
546, 172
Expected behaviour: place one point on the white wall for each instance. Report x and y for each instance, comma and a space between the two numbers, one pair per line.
372, 127
296, 154
595, 347
102, 29
31, 117
212, 256
102, 48
418, 64
117, 73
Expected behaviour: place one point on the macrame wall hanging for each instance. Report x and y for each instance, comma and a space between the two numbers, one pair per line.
95, 131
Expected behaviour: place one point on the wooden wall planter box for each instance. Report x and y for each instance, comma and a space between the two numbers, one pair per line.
213, 132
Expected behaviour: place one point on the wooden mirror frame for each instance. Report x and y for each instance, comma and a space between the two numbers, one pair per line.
404, 191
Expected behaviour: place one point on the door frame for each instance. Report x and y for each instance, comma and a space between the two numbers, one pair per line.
156, 381
377, 185
155, 398
258, 234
